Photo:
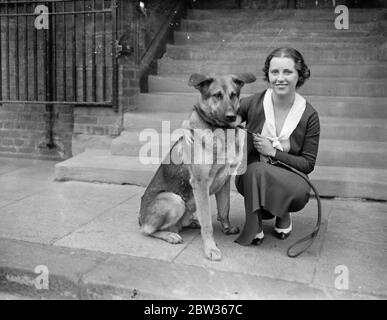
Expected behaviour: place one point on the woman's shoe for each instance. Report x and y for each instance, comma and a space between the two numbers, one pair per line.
283, 233
258, 239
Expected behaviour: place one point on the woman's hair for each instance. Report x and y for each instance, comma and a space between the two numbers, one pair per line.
299, 63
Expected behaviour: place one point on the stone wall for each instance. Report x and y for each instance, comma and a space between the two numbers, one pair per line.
309, 4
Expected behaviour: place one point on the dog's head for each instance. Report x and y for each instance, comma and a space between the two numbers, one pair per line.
219, 97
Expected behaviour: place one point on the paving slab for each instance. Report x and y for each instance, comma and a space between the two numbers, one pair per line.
83, 274
165, 280
87, 234
269, 259
10, 296
52, 214
5, 202
18, 260
38, 170
335, 294
13, 188
117, 232
360, 221
11, 164
18, 177
366, 264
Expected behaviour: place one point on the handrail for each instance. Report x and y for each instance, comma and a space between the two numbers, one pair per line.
148, 56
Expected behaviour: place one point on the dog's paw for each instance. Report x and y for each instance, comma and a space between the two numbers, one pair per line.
174, 238
213, 254
230, 230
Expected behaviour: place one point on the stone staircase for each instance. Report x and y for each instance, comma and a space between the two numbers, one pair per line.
347, 87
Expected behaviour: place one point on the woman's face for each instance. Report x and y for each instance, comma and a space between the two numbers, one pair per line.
283, 76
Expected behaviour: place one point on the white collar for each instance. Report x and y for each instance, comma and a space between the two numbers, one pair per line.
291, 121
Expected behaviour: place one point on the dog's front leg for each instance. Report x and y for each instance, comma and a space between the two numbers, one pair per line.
223, 206
201, 191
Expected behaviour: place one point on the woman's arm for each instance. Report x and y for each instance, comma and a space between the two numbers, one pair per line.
306, 160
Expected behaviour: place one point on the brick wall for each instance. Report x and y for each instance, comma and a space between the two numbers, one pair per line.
128, 79
23, 131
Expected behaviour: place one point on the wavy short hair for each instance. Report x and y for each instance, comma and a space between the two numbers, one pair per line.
299, 63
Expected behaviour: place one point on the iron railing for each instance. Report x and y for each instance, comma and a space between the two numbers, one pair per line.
71, 61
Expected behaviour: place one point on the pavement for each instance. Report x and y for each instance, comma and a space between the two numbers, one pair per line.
77, 240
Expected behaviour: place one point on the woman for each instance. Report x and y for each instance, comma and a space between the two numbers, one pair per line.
287, 129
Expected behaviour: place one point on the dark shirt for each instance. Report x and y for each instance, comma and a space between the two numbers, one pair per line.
303, 141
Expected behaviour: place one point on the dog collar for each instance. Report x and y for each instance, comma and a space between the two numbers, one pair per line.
209, 121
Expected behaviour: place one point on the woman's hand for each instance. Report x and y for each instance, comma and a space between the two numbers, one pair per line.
263, 145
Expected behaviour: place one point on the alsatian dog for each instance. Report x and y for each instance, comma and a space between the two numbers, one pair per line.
180, 189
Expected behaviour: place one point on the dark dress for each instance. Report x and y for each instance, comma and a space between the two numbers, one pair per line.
275, 190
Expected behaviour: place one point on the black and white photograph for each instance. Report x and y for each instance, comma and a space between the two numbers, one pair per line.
193, 155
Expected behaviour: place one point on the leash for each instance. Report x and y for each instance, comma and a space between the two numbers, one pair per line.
316, 229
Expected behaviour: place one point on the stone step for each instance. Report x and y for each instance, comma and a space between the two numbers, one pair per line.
202, 38
355, 129
348, 153
356, 15
270, 44
233, 4
315, 86
367, 70
95, 165
356, 107
309, 37
185, 52
101, 166
285, 32
350, 182
274, 26
224, 4
272, 21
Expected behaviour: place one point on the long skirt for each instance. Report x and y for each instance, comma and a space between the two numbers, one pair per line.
273, 190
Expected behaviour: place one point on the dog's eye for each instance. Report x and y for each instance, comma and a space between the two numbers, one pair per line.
218, 95
233, 95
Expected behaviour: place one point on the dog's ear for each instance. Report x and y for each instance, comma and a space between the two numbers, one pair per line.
241, 78
199, 81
